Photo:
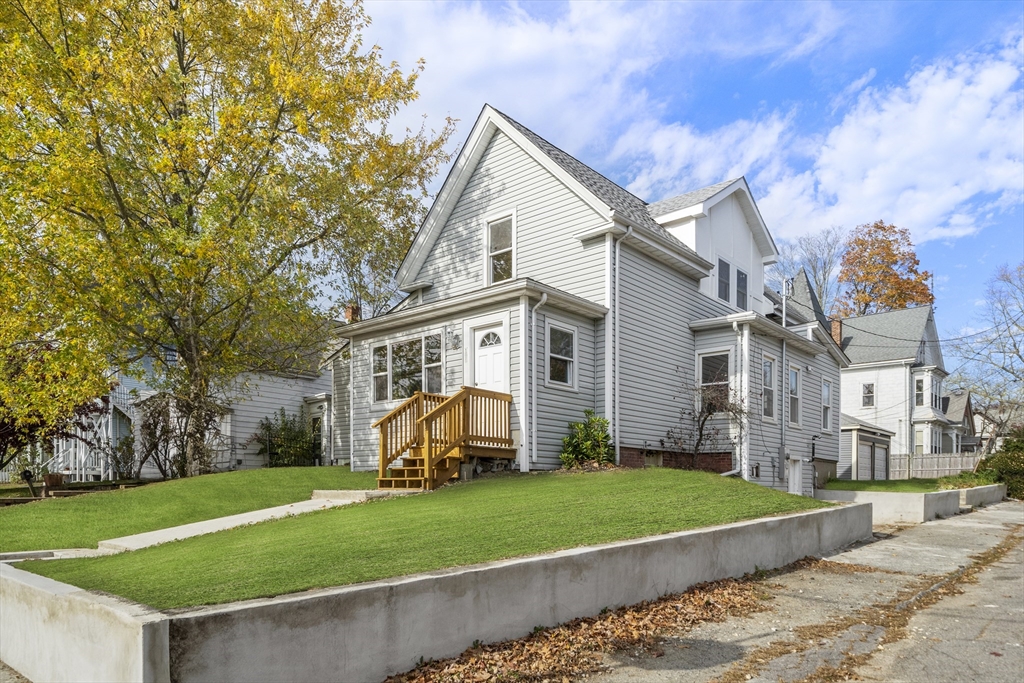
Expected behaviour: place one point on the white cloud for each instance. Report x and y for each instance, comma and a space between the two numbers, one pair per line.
940, 153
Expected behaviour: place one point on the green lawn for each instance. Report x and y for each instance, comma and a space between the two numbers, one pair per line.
82, 521
488, 519
890, 486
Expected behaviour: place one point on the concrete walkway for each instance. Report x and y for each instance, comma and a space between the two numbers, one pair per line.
321, 500
830, 623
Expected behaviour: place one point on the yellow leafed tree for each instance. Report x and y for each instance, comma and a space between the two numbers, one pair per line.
183, 180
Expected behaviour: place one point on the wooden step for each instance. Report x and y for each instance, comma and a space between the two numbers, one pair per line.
400, 483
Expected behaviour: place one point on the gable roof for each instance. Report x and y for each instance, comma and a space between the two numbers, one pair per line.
851, 422
604, 196
889, 336
955, 405
685, 201
805, 301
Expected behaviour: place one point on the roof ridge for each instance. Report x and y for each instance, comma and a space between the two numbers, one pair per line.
556, 147
894, 310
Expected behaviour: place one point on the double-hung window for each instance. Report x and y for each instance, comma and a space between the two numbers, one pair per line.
499, 250
936, 393
723, 280
741, 290
867, 396
561, 355
919, 392
826, 405
794, 395
768, 387
714, 381
400, 369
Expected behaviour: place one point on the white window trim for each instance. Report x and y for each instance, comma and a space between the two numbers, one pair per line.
494, 218
798, 424
718, 280
394, 402
713, 352
469, 346
736, 289
874, 395
574, 330
775, 412
830, 405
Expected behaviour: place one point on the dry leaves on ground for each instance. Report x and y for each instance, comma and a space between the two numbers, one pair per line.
573, 649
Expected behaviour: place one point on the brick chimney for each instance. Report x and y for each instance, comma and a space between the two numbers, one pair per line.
837, 331
352, 313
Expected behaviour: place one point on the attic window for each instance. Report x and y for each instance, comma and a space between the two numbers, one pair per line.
499, 250
741, 289
723, 280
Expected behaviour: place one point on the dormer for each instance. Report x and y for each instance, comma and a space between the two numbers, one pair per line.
724, 226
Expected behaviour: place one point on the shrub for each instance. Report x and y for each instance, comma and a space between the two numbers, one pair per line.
966, 480
588, 441
1008, 463
287, 440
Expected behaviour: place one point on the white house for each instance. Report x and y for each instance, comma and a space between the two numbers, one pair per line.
894, 380
537, 289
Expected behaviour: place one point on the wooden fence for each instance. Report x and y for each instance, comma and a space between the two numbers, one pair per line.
931, 465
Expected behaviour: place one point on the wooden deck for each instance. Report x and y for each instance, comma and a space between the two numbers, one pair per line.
434, 434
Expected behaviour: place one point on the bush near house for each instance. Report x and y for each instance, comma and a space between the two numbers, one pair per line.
1008, 463
588, 442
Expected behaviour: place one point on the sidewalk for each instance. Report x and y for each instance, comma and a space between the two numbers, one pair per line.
892, 609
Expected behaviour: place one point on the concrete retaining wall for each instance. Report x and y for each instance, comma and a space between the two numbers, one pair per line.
982, 495
899, 508
369, 631
50, 631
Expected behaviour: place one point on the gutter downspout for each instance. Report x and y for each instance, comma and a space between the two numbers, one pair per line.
615, 357
533, 381
781, 476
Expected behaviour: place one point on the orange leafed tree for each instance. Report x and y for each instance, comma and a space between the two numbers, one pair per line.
879, 272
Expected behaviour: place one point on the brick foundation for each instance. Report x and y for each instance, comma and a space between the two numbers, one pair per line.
710, 462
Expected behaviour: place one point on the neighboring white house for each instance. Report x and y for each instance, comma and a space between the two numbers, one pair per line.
256, 397
551, 290
895, 378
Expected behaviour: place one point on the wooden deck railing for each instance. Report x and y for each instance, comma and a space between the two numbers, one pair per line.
401, 429
472, 416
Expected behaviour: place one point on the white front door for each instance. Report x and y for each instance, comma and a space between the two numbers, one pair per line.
489, 358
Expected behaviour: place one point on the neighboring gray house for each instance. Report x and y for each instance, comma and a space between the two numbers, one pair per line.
961, 436
257, 397
895, 378
537, 289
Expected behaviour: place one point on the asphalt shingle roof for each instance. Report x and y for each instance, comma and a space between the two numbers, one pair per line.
893, 335
851, 422
954, 405
683, 201
623, 201
805, 301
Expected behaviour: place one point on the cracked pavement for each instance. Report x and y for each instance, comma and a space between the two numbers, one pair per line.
813, 629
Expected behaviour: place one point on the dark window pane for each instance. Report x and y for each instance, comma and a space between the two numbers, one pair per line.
380, 388
406, 368
501, 267
741, 289
715, 396
561, 343
769, 403
380, 359
714, 369
559, 370
501, 235
434, 379
794, 382
432, 349
723, 280
490, 339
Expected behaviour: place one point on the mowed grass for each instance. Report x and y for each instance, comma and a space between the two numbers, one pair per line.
889, 486
85, 520
484, 520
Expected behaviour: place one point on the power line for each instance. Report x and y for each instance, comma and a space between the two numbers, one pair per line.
948, 339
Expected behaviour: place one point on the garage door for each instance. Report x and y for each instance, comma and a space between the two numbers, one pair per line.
864, 461
881, 456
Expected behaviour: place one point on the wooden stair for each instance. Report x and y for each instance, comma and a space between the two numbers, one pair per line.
433, 435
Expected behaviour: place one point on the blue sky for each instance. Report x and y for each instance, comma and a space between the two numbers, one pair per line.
837, 113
